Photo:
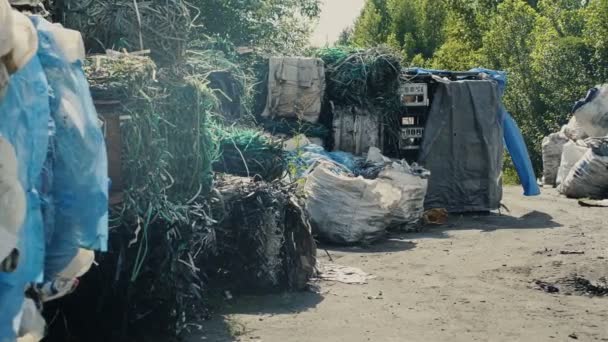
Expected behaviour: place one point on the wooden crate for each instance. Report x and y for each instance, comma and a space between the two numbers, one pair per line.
111, 128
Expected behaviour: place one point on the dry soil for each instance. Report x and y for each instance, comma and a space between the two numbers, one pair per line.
473, 279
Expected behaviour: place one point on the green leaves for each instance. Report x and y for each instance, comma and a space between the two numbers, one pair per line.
277, 25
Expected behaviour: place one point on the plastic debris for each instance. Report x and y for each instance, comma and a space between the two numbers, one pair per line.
347, 210
343, 274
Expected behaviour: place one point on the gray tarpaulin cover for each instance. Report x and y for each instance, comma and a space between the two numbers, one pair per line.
463, 147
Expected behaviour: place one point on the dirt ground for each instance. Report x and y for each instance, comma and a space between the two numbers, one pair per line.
473, 279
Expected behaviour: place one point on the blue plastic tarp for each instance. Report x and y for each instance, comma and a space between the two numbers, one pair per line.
305, 156
24, 114
79, 165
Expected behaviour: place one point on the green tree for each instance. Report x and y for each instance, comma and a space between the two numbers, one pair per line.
507, 45
561, 62
371, 27
346, 36
279, 25
595, 34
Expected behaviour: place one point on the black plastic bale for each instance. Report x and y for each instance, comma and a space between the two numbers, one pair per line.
264, 241
359, 77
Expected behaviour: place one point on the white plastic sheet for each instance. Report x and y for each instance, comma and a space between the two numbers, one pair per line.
573, 130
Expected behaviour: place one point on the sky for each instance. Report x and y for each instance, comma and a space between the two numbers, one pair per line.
335, 16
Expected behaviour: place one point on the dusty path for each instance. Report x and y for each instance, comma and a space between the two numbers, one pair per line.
471, 280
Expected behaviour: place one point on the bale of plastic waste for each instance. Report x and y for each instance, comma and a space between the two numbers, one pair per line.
347, 210
552, 147
248, 153
592, 112
262, 241
295, 88
572, 152
588, 178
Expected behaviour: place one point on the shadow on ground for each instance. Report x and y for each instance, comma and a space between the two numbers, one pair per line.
394, 243
223, 329
487, 222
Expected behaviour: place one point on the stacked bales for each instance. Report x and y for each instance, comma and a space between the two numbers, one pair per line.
290, 128
174, 230
360, 78
248, 152
167, 161
362, 95
262, 240
163, 26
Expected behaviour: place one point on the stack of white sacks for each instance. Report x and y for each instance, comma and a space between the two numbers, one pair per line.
575, 159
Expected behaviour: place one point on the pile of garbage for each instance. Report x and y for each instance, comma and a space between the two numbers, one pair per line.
576, 158
356, 200
54, 180
262, 240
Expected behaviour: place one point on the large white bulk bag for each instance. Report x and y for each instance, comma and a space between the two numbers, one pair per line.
592, 112
348, 210
589, 177
12, 200
295, 88
572, 152
552, 148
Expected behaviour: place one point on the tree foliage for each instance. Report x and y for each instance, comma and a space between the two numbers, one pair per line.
552, 50
279, 25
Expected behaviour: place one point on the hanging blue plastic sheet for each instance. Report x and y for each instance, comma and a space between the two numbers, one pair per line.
24, 114
79, 166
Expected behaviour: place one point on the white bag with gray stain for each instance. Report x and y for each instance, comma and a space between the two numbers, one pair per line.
552, 147
349, 210
589, 177
572, 152
592, 112
573, 130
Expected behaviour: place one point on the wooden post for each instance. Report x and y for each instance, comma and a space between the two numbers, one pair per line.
113, 139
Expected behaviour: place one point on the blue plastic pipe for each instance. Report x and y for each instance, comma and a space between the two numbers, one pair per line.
519, 154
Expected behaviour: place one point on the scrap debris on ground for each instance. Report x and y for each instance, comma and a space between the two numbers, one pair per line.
482, 287
343, 274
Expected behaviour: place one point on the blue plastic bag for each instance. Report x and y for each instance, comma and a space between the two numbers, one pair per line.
24, 114
307, 155
79, 166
